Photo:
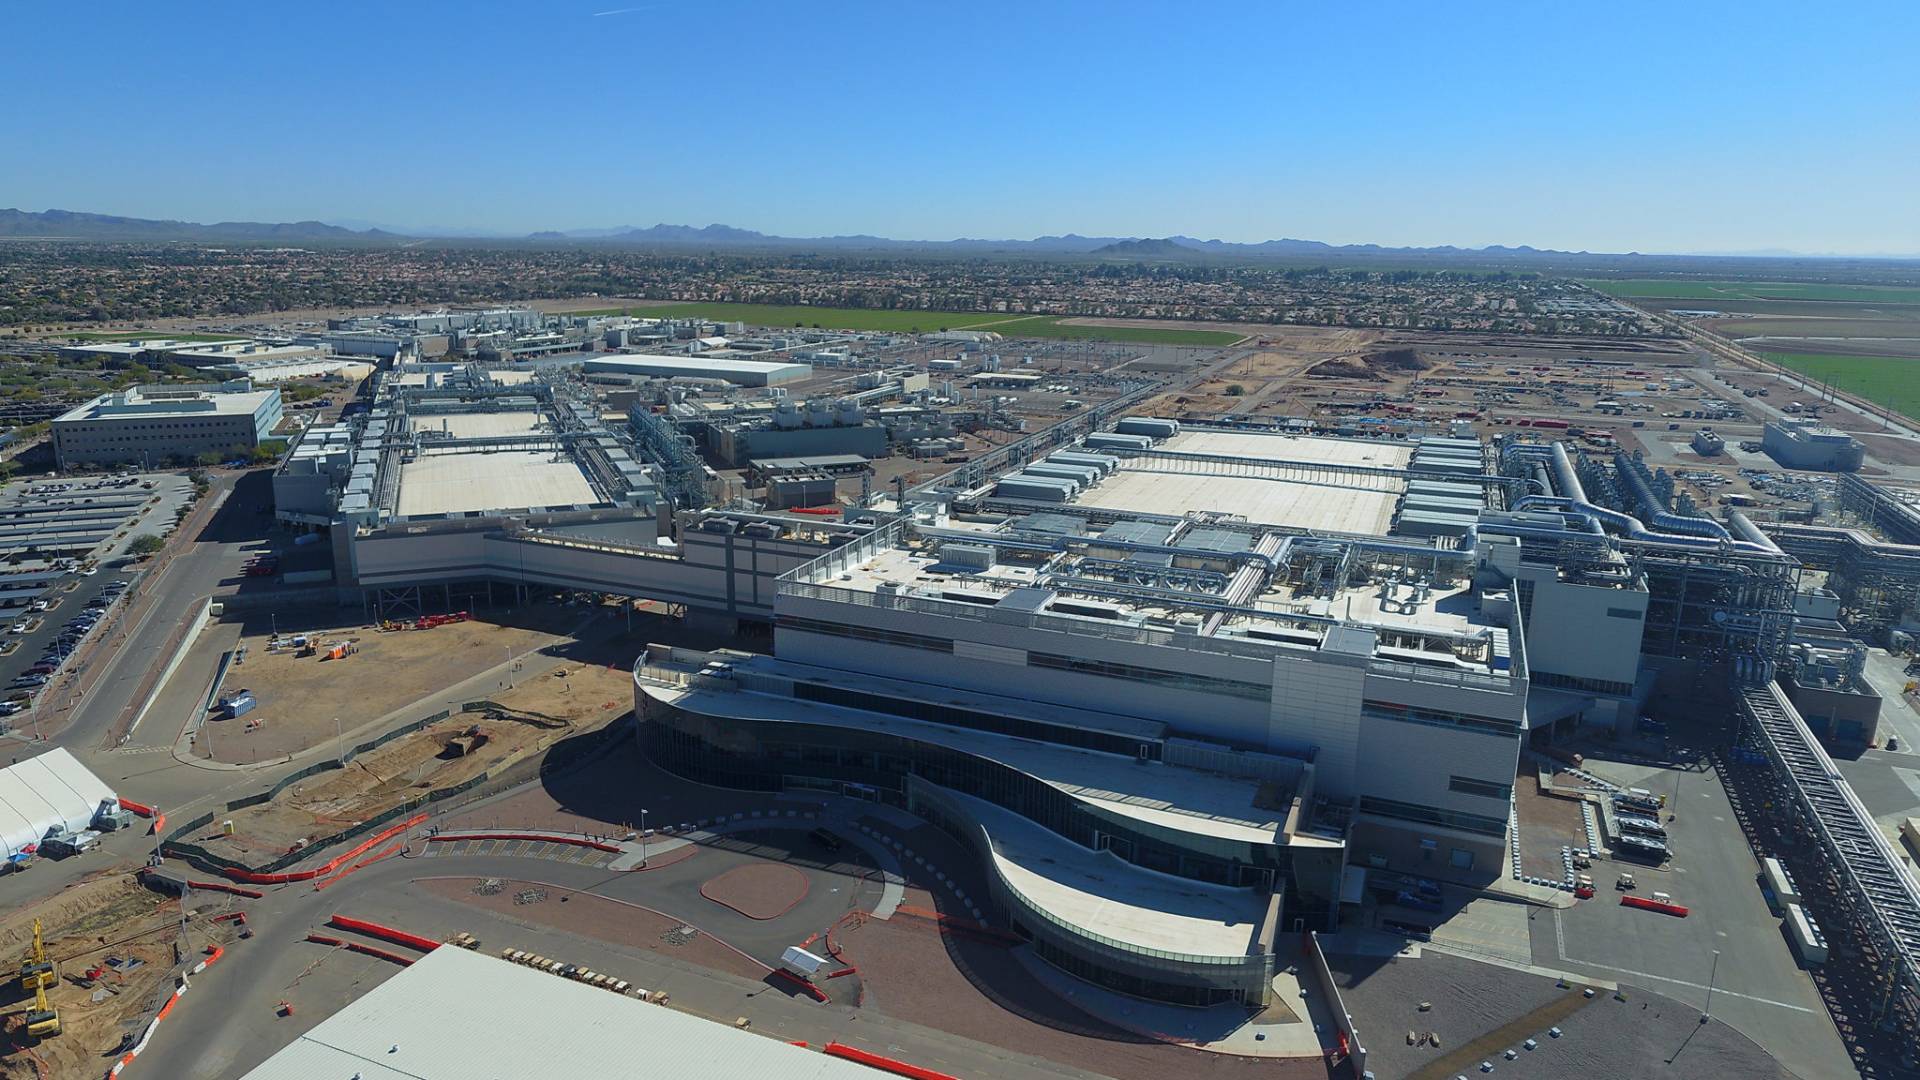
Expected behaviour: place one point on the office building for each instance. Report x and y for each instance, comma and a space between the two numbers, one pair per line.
156, 425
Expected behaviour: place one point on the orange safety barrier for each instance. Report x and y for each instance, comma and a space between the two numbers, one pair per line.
360, 849
355, 946
1660, 906
159, 823
384, 853
387, 933
573, 840
884, 1064
139, 808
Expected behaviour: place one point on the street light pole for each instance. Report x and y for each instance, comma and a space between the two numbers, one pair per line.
643, 836
1706, 1014
509, 649
336, 739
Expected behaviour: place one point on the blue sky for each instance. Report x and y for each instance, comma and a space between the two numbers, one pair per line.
1606, 127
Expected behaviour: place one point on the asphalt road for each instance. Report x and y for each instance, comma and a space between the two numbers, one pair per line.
1758, 986
227, 1029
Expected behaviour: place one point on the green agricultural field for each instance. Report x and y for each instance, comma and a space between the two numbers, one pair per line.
1889, 381
1050, 326
912, 322
1681, 288
823, 317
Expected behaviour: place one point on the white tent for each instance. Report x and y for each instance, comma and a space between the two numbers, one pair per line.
39, 793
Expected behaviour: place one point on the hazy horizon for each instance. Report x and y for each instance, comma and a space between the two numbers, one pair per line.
1657, 129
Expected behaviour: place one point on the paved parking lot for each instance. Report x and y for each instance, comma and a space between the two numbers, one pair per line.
46, 626
1758, 986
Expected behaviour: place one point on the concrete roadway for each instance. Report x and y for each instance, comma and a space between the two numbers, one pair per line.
222, 1029
1758, 986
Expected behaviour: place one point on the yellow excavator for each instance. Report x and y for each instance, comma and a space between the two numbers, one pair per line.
36, 971
36, 974
42, 1021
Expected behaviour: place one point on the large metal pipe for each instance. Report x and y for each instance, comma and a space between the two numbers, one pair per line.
1751, 532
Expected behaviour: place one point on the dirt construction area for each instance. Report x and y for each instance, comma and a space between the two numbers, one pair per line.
441, 755
113, 945
301, 696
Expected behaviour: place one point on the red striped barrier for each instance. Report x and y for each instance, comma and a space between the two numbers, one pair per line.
573, 840
221, 886
385, 933
884, 1064
1660, 906
355, 946
360, 849
848, 970
214, 953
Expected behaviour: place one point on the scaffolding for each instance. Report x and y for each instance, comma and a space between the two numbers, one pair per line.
1876, 901
683, 474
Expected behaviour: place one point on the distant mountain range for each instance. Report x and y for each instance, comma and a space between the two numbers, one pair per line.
75, 225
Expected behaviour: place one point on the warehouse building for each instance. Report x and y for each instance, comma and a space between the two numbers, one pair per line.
816, 428
1809, 444
458, 1015
152, 425
738, 372
52, 793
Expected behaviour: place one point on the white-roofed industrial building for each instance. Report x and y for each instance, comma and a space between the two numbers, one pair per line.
740, 372
458, 1015
40, 793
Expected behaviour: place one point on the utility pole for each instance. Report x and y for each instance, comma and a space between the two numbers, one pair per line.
1706, 1013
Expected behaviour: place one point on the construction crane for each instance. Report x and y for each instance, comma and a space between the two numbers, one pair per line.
36, 971
42, 1021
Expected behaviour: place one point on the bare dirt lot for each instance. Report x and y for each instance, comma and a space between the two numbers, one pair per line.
1547, 824
757, 891
108, 916
383, 778
301, 696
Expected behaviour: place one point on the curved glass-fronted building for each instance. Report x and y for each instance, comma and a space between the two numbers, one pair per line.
1154, 879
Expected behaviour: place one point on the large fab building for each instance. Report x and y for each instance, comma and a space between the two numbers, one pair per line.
1187, 689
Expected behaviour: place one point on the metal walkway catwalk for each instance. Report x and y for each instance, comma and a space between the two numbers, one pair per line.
1883, 898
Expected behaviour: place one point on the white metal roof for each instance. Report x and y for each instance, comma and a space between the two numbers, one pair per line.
39, 793
460, 1015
